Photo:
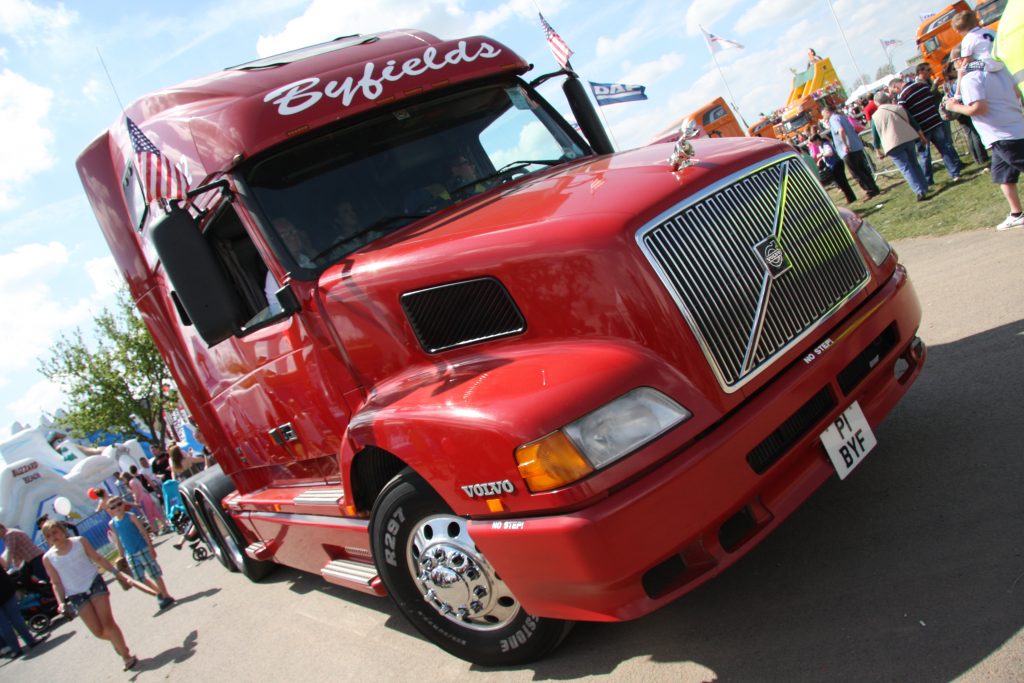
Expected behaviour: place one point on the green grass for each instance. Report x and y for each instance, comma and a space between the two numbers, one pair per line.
973, 203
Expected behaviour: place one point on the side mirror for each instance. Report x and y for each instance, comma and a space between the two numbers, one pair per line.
200, 285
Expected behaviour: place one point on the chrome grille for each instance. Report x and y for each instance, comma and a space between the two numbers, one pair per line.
754, 263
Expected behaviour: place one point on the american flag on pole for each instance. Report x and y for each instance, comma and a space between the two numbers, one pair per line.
558, 47
160, 179
891, 42
716, 43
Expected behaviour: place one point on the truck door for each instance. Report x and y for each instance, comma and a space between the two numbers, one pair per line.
279, 387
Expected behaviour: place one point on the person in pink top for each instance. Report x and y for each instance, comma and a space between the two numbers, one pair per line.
152, 512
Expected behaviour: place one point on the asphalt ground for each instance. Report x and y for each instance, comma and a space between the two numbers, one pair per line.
909, 570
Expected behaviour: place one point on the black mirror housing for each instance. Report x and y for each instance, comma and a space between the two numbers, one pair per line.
201, 287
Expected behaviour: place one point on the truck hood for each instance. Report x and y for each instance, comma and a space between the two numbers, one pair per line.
627, 188
562, 243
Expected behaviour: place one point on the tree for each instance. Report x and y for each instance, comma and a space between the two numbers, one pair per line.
861, 80
120, 381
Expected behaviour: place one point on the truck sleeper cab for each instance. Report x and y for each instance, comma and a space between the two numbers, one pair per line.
446, 349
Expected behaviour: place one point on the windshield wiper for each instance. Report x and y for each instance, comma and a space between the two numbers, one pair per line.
508, 172
379, 224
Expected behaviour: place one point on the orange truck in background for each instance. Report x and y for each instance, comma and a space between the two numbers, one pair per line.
814, 88
715, 120
936, 37
764, 128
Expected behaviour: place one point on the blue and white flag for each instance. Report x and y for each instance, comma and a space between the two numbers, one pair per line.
613, 93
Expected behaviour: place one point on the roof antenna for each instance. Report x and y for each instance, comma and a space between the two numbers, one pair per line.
111, 81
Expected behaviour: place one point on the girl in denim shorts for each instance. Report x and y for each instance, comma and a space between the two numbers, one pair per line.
71, 565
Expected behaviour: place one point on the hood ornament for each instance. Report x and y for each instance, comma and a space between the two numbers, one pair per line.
682, 157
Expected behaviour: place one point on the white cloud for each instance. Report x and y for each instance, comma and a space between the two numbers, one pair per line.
24, 141
31, 305
325, 20
651, 72
30, 24
42, 396
523, 9
105, 277
92, 90
28, 302
620, 44
767, 13
706, 13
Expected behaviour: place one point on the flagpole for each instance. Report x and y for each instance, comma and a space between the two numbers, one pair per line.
590, 94
726, 83
729, 90
888, 54
600, 110
845, 41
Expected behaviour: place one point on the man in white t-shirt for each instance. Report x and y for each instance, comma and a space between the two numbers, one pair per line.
990, 99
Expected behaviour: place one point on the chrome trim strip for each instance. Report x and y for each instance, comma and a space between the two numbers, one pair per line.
319, 497
308, 520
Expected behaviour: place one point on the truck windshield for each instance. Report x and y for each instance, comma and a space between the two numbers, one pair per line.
799, 122
334, 193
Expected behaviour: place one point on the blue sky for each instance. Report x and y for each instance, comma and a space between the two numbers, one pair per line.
55, 270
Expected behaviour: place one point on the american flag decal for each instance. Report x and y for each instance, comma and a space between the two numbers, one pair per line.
160, 179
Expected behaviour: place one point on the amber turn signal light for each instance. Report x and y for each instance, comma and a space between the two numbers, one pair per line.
551, 462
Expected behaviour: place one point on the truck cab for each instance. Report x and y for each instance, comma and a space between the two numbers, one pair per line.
447, 349
714, 120
936, 37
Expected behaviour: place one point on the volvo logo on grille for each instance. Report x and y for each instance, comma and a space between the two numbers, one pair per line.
773, 257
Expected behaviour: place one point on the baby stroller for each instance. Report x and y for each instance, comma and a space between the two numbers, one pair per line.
35, 599
176, 513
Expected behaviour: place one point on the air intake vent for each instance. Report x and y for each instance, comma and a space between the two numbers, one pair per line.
461, 313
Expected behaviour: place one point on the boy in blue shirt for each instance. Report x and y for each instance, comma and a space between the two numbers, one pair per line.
135, 545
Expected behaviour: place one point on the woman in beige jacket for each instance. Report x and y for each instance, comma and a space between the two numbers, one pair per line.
896, 137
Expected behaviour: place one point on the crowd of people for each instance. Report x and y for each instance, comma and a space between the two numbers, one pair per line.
911, 115
69, 567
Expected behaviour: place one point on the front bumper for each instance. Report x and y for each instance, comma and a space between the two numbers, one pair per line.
706, 506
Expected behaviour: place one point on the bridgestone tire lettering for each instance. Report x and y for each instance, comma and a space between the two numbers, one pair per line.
521, 636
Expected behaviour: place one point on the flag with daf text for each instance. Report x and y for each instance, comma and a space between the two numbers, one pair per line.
717, 43
891, 42
558, 46
160, 178
613, 93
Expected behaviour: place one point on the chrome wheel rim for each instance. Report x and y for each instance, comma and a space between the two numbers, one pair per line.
455, 578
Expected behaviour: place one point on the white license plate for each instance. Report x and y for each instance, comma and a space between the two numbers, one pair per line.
848, 440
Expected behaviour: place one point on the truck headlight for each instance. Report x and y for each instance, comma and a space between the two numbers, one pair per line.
873, 242
598, 439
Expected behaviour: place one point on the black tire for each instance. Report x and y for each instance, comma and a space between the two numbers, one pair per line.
445, 586
38, 623
207, 490
205, 527
199, 553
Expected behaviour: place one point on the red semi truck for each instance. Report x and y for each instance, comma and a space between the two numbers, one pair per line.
447, 349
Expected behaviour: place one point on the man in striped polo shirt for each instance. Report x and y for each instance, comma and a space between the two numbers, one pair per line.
916, 97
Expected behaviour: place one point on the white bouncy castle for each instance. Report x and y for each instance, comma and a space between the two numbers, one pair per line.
34, 475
